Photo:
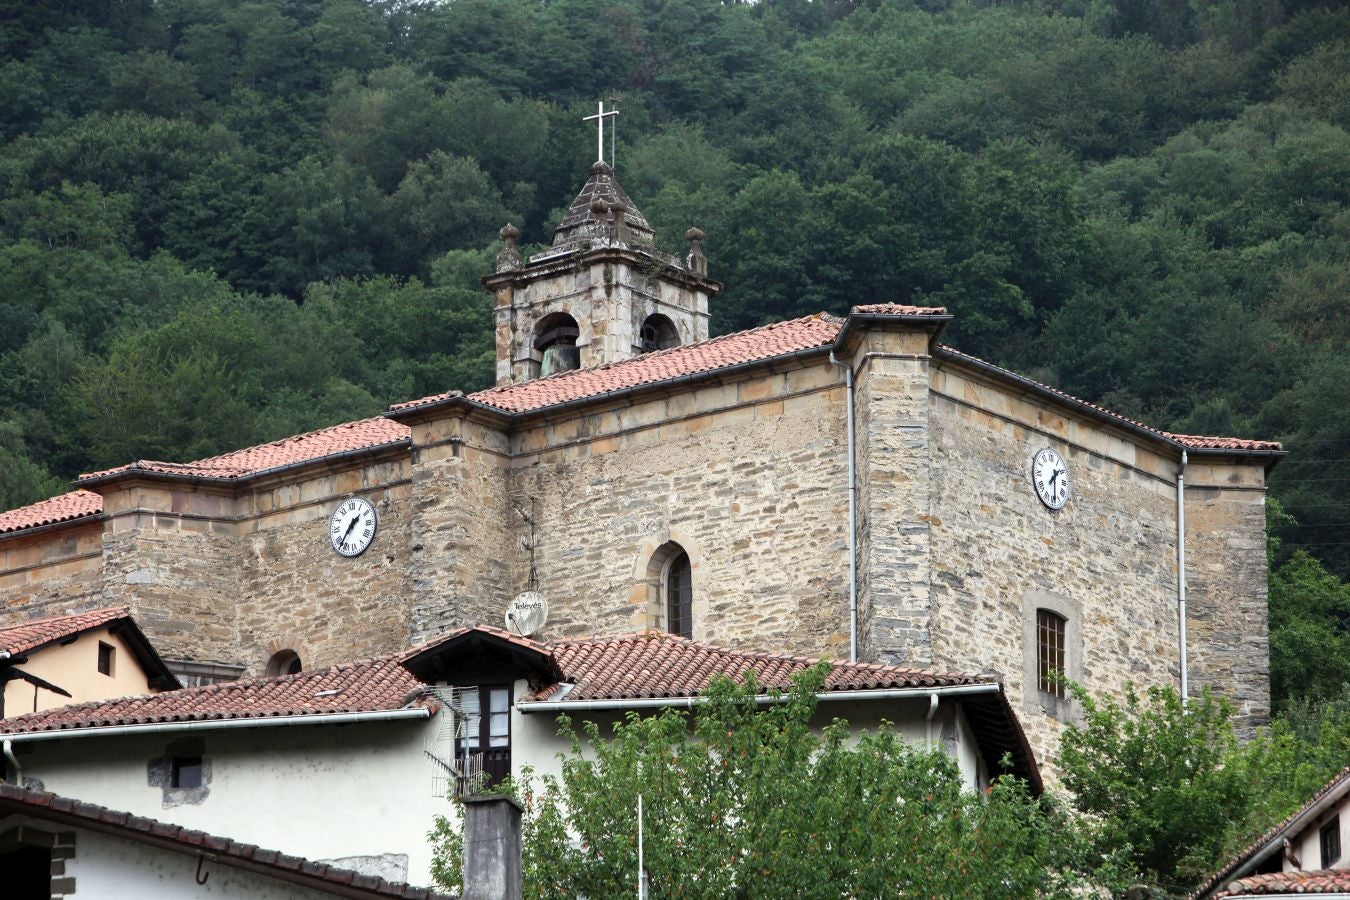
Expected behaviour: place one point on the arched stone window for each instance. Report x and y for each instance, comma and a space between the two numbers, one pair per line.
679, 596
668, 570
556, 337
284, 662
658, 333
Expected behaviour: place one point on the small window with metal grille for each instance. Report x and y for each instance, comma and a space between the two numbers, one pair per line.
1329, 837
1050, 643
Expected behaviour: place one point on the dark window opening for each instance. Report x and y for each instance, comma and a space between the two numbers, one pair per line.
284, 662
28, 873
1050, 643
1330, 839
680, 597
105, 658
658, 333
556, 337
187, 772
487, 730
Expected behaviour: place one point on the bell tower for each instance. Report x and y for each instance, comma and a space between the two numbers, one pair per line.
601, 293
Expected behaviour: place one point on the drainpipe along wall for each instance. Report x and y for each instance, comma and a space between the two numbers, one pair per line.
1181, 575
852, 516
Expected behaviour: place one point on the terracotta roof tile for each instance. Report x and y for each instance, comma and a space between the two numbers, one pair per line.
74, 505
25, 636
662, 665
365, 686
1312, 881
1200, 442
300, 448
1339, 784
50, 807
764, 342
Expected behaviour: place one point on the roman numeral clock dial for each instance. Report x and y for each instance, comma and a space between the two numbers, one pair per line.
1050, 478
352, 527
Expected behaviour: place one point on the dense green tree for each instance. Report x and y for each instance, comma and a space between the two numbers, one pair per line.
744, 801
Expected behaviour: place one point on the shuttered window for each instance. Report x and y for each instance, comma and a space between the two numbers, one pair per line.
680, 597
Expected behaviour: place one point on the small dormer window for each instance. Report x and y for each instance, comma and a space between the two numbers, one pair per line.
556, 338
106, 656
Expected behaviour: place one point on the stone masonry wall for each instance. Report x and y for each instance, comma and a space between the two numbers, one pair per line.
894, 477
748, 477
461, 546
1106, 560
51, 573
298, 594
1227, 617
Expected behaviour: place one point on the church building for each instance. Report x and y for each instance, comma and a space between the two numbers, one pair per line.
843, 487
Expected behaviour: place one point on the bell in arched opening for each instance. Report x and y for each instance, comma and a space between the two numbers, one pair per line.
557, 340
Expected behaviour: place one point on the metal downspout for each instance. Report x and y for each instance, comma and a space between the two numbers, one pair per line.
14, 761
928, 720
852, 517
1181, 576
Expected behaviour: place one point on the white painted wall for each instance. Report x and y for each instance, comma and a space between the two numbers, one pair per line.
114, 868
332, 791
320, 792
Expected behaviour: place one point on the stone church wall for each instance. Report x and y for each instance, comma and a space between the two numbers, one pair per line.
52, 572
748, 477
1226, 586
298, 594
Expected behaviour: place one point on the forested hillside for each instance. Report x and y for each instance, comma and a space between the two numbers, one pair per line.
223, 222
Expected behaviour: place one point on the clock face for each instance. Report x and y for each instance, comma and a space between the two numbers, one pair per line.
352, 527
1050, 477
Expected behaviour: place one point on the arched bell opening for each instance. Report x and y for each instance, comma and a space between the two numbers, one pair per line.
658, 333
556, 338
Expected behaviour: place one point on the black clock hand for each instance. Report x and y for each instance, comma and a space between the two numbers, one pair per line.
356, 518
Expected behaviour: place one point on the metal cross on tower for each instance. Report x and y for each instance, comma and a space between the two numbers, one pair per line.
600, 117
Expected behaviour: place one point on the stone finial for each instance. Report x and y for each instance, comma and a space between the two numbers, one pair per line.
509, 257
695, 262
621, 234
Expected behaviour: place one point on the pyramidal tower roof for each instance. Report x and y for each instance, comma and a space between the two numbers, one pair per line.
593, 208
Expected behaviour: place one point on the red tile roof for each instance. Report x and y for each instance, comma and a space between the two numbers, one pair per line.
1333, 789
320, 876
301, 448
655, 664
365, 686
1313, 881
1200, 442
815, 332
767, 341
25, 636
75, 505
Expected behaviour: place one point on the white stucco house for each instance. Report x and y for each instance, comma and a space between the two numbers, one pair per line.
53, 846
282, 762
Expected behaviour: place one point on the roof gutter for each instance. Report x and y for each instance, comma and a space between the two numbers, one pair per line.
915, 693
383, 715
